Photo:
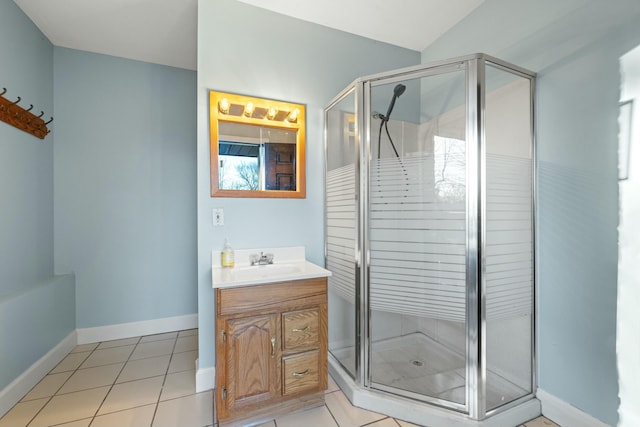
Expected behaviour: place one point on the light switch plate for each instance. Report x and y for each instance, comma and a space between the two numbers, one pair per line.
218, 217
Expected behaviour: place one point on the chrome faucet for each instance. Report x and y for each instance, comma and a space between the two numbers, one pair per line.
262, 259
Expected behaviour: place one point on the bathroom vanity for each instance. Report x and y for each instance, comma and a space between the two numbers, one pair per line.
271, 337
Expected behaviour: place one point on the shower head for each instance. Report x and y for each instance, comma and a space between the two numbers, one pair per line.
397, 91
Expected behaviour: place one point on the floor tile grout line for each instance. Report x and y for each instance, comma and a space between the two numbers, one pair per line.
117, 346
50, 398
135, 345
67, 422
104, 385
155, 410
153, 376
38, 383
95, 414
115, 412
161, 339
40, 410
185, 351
386, 417
124, 363
332, 416
182, 397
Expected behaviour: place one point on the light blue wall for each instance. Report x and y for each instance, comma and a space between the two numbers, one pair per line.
124, 148
244, 49
37, 310
32, 322
575, 47
26, 162
125, 186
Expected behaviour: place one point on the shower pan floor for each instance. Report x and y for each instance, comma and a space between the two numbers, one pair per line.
418, 364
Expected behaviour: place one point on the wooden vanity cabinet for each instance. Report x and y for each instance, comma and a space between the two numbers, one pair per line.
271, 349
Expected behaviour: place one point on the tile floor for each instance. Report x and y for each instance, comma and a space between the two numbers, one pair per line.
150, 381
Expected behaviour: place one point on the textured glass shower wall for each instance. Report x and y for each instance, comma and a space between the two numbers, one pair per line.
508, 274
417, 236
340, 229
429, 232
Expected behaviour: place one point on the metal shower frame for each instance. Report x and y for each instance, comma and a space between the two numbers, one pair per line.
476, 192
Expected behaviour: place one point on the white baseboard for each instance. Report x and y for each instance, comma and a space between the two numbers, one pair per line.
11, 394
205, 378
565, 414
135, 329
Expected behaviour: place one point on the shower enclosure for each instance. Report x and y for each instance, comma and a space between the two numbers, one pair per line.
430, 239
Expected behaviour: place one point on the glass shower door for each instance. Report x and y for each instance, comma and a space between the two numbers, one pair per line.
509, 274
417, 236
341, 214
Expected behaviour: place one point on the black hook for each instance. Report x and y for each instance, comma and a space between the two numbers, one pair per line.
41, 114
4, 90
14, 103
30, 107
49, 121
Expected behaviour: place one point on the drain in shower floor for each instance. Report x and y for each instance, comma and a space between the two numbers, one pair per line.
417, 363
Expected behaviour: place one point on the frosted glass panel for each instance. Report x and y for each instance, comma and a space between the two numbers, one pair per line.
509, 237
341, 230
434, 187
417, 237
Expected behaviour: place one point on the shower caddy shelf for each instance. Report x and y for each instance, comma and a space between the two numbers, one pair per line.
16, 116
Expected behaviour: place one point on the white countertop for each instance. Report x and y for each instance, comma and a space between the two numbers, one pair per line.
288, 264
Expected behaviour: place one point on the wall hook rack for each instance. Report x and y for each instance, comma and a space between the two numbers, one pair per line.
13, 114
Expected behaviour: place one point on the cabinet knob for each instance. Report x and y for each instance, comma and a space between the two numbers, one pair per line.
306, 328
273, 346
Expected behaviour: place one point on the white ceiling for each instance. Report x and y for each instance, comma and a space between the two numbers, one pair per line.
413, 24
165, 31
156, 31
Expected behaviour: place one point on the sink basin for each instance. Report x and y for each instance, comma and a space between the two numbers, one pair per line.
264, 271
289, 265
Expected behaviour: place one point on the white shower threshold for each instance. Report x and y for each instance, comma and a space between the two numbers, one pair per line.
444, 365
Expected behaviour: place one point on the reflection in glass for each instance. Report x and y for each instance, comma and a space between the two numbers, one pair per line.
256, 158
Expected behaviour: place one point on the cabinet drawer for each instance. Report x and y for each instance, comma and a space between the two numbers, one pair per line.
271, 297
300, 372
300, 329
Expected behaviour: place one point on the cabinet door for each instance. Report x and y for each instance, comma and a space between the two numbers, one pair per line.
253, 360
